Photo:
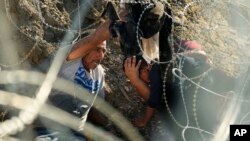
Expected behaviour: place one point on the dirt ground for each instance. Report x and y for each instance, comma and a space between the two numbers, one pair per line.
40, 27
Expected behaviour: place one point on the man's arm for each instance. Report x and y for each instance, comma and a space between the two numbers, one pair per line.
82, 47
132, 72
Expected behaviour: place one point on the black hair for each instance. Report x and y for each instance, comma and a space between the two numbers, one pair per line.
138, 58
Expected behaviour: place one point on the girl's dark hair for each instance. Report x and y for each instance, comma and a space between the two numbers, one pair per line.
138, 58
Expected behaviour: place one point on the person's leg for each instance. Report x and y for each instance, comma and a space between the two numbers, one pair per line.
143, 121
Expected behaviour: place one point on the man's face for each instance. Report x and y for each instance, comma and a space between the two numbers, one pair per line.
95, 56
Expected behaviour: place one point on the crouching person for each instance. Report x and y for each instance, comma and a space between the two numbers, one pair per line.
83, 68
146, 78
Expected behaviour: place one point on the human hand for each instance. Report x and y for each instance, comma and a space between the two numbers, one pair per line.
131, 69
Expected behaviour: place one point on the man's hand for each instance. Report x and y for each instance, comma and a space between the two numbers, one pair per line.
131, 69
